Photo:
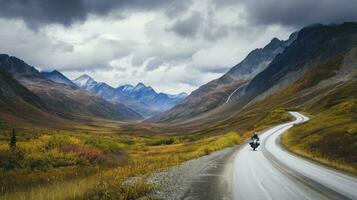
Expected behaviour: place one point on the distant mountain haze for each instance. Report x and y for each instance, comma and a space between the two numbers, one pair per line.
143, 99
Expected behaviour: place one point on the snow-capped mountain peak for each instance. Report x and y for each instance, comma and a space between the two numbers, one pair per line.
85, 81
144, 99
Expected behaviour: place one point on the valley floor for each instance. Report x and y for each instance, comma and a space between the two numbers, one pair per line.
63, 165
110, 165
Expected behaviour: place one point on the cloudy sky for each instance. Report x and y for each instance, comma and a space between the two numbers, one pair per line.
172, 45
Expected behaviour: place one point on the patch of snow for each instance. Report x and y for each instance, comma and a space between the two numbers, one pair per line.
84, 81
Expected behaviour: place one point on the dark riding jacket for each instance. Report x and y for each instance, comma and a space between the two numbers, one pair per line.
255, 137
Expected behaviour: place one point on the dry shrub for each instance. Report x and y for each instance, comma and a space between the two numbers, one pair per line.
91, 154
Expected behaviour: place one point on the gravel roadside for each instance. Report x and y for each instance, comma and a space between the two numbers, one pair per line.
201, 178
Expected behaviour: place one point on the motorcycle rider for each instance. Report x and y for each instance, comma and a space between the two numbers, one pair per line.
254, 141
255, 136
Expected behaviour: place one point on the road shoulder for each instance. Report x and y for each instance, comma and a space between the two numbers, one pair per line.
207, 177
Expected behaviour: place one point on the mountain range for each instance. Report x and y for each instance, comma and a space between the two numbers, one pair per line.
270, 70
141, 98
304, 71
220, 91
56, 99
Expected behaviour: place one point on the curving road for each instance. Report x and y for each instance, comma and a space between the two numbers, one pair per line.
273, 173
270, 173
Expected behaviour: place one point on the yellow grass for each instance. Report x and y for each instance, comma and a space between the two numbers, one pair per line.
113, 184
145, 157
73, 189
329, 137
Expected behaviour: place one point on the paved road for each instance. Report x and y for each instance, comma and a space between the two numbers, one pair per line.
271, 173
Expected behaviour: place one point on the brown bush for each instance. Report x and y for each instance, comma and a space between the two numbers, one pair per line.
91, 154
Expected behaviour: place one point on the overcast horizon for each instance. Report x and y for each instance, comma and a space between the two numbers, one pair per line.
174, 46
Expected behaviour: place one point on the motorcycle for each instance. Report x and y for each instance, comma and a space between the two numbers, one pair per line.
254, 144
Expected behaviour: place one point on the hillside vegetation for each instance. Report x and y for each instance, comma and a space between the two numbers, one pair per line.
78, 165
84, 164
331, 134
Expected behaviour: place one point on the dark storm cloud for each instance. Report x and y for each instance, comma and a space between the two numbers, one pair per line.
295, 12
36, 12
41, 12
188, 27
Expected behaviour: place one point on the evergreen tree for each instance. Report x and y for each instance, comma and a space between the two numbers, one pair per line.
13, 140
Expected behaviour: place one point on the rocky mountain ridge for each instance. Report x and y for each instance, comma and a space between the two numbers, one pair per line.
143, 99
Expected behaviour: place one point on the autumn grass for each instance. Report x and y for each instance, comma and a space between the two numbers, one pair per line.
66, 165
114, 184
69, 189
329, 137
104, 164
273, 117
